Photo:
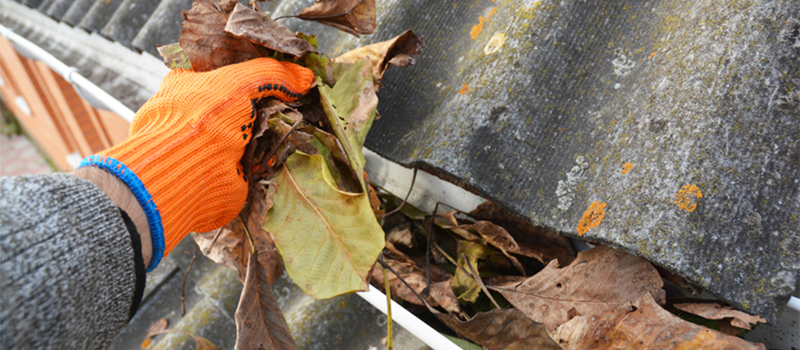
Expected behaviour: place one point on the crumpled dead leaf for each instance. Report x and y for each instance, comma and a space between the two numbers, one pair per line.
259, 321
599, 280
441, 293
535, 242
502, 329
488, 233
259, 28
642, 325
350, 16
205, 40
229, 247
715, 311
401, 51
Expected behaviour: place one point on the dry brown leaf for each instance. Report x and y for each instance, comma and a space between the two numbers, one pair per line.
715, 311
259, 28
204, 38
351, 16
502, 329
599, 280
448, 221
401, 236
259, 321
534, 242
401, 51
644, 325
158, 327
441, 293
231, 245
487, 233
726, 327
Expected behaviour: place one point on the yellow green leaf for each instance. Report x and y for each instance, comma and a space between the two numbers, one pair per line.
329, 239
351, 106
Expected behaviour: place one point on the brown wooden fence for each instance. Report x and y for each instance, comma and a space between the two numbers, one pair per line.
52, 112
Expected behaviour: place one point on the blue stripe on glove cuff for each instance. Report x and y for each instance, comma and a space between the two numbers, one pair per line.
127, 176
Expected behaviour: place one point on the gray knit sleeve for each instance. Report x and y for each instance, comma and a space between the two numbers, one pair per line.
67, 273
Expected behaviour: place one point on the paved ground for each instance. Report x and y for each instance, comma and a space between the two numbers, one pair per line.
18, 156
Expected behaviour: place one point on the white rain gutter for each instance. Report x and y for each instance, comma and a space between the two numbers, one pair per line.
395, 178
407, 320
83, 86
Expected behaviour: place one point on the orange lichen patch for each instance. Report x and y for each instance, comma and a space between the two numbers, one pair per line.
687, 196
626, 168
476, 30
464, 89
592, 217
651, 56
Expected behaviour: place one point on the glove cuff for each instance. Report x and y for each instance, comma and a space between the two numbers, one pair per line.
144, 198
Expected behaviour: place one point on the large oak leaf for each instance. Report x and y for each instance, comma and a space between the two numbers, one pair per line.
643, 325
329, 239
599, 280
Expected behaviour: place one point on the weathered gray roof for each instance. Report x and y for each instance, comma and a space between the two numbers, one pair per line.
690, 93
212, 294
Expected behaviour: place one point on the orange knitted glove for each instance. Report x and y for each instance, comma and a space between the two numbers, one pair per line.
181, 158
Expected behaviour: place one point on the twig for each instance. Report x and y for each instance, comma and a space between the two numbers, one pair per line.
271, 153
477, 278
183, 285
388, 306
427, 290
249, 237
450, 259
213, 241
413, 179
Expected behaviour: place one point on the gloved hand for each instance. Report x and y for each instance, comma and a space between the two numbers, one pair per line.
181, 159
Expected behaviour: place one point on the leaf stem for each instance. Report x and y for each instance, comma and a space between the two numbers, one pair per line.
249, 237
388, 306
478, 280
413, 179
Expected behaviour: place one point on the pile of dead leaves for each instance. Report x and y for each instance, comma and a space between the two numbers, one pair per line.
503, 284
312, 211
